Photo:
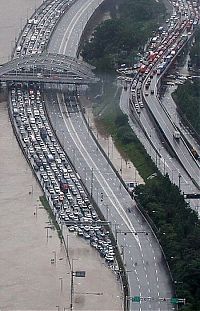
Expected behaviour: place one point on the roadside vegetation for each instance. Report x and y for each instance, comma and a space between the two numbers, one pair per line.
187, 98
195, 51
178, 230
114, 42
118, 40
109, 117
177, 227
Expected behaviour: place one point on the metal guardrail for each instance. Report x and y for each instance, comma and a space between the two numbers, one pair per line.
123, 275
167, 113
167, 140
22, 30
58, 80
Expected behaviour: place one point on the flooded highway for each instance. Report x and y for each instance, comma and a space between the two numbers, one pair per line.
13, 16
28, 279
34, 269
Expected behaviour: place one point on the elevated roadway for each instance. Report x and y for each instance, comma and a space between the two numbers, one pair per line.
142, 254
47, 67
155, 115
179, 146
155, 146
67, 35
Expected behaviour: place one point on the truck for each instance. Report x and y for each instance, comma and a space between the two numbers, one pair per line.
142, 68
64, 186
152, 56
177, 135
195, 154
160, 68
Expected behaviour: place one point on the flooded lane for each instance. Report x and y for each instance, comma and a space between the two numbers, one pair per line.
28, 278
13, 16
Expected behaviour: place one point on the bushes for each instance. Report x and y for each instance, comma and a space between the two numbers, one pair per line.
195, 51
118, 40
179, 234
187, 98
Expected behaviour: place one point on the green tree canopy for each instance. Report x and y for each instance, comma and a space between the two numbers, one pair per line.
178, 229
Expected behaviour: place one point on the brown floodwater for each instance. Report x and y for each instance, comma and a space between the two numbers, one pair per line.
28, 278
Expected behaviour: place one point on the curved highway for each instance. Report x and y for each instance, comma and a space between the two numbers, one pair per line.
147, 275
144, 100
142, 254
67, 35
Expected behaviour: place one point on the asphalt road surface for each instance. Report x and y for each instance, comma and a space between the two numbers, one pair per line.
142, 254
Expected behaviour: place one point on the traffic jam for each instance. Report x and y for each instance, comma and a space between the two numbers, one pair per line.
60, 182
35, 37
162, 49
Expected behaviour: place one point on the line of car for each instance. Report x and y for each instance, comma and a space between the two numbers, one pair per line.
162, 48
60, 182
39, 27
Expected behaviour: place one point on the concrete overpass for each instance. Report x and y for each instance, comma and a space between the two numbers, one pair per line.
48, 68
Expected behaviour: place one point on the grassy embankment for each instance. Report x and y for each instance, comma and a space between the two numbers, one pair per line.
176, 225
115, 42
110, 119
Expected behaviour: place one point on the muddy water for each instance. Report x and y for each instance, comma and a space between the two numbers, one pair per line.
28, 278
13, 16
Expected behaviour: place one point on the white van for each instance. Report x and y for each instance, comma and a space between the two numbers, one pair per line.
32, 120
36, 113
65, 173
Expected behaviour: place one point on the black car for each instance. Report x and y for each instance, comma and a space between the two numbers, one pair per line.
57, 205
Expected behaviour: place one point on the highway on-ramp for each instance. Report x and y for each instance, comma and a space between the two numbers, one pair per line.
180, 148
143, 105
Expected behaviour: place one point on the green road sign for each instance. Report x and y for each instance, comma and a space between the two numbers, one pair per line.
136, 299
174, 300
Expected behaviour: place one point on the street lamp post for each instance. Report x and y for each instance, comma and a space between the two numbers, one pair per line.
61, 284
121, 166
164, 167
97, 195
122, 252
107, 212
72, 283
47, 228
72, 286
178, 282
108, 149
67, 246
63, 139
54, 252
74, 156
156, 158
92, 181
179, 181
